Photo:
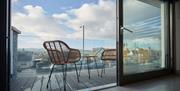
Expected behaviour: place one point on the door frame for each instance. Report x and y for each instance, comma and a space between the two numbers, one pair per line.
4, 51
125, 79
4, 42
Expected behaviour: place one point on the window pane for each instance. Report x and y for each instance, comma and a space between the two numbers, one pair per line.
144, 46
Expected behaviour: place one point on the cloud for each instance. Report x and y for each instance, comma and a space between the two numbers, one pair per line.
14, 1
34, 11
99, 20
61, 18
34, 21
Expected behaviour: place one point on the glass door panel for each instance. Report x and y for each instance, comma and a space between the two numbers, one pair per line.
144, 36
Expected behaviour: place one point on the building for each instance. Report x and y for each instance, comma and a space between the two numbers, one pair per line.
13, 43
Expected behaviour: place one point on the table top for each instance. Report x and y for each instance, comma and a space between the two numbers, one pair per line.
90, 56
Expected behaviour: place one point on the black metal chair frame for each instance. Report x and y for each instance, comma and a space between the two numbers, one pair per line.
55, 51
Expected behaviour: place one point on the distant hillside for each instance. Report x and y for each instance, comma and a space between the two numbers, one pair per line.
31, 49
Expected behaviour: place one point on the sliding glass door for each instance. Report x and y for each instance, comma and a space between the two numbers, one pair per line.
144, 37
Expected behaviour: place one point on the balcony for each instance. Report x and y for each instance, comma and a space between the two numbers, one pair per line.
31, 80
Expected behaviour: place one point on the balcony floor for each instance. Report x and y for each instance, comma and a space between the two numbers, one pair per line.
38, 82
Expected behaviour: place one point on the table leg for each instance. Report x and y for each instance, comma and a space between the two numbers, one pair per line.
96, 66
88, 67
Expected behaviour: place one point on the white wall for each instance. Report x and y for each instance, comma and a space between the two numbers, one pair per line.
177, 28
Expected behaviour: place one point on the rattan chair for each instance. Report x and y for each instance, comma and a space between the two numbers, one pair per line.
61, 54
107, 55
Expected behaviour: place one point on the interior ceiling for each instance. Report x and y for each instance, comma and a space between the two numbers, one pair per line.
155, 3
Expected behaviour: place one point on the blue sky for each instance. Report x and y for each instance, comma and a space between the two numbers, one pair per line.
42, 20
54, 6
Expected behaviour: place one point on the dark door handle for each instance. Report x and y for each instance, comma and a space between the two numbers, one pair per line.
124, 28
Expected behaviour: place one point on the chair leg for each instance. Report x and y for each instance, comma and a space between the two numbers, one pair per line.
50, 76
96, 66
80, 69
88, 68
76, 72
103, 69
64, 75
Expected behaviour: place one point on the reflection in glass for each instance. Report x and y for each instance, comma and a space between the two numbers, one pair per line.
144, 48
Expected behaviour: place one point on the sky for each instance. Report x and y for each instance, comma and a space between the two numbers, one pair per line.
42, 20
